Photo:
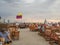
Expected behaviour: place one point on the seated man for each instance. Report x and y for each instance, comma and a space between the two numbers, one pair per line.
5, 36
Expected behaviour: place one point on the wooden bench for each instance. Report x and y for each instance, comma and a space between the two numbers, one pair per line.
47, 34
55, 37
14, 33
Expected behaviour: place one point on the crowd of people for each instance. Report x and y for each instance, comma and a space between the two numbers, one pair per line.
50, 31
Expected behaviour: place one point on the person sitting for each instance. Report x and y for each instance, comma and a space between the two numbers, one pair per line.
5, 36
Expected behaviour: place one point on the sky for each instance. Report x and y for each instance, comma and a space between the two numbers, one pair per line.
32, 10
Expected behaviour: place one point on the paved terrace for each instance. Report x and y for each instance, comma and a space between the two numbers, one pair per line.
30, 38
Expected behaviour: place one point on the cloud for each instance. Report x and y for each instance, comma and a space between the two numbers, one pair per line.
11, 1
39, 9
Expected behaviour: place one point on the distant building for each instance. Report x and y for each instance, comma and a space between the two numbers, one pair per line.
2, 20
8, 21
